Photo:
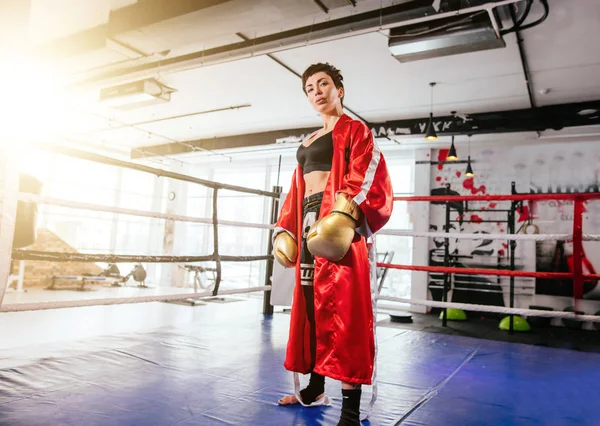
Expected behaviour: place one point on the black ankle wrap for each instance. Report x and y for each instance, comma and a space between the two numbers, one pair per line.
350, 407
316, 386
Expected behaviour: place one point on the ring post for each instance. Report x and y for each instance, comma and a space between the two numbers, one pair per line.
513, 246
216, 255
446, 260
521, 322
267, 307
577, 252
9, 183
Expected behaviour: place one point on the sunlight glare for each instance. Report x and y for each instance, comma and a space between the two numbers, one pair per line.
32, 104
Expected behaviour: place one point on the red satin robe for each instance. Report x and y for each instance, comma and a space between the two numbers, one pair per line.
345, 291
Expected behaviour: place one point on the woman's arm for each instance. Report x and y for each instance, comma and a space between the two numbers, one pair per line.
368, 183
285, 241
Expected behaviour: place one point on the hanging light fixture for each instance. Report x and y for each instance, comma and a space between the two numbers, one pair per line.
452, 153
430, 133
469, 171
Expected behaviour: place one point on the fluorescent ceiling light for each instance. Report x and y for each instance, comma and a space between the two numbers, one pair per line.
137, 94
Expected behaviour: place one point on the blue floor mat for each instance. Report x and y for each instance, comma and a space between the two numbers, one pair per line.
224, 370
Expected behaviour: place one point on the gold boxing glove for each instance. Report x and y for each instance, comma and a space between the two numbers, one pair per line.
331, 236
285, 250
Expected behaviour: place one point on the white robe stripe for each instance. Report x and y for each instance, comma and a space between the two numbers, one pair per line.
369, 176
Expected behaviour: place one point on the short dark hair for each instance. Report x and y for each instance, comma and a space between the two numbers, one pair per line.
330, 70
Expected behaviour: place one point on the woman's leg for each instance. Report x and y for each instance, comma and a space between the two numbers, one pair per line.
309, 297
351, 394
316, 386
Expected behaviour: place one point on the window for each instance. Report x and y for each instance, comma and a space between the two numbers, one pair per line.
99, 232
71, 179
398, 283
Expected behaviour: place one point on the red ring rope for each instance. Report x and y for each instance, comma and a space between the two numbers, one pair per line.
474, 271
498, 197
577, 275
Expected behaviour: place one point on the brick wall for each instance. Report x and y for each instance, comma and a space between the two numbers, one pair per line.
40, 273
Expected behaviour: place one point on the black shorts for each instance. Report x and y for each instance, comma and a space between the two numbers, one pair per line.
311, 207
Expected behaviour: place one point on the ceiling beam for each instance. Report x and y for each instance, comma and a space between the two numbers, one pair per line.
321, 6
226, 142
129, 18
148, 12
332, 29
552, 117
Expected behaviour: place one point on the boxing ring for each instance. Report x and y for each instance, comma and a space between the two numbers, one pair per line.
222, 364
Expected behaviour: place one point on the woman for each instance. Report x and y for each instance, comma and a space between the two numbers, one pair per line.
340, 196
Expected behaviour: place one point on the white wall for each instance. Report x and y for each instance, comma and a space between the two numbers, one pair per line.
545, 168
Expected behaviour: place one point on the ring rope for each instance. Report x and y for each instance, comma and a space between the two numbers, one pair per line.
480, 290
216, 256
27, 197
474, 271
499, 197
493, 309
21, 254
16, 307
90, 156
521, 237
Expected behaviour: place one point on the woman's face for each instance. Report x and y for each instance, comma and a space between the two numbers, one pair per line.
322, 93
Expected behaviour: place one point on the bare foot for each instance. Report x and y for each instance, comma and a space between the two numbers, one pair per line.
291, 399
288, 400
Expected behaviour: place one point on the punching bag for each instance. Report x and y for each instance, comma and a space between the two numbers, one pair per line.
26, 219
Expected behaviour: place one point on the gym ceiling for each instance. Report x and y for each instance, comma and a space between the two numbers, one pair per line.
193, 78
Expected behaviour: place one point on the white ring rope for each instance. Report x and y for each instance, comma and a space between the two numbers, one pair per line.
522, 237
16, 307
170, 297
27, 197
23, 196
494, 309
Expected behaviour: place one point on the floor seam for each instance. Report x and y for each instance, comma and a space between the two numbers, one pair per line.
435, 390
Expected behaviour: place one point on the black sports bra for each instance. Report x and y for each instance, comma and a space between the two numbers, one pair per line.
316, 156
